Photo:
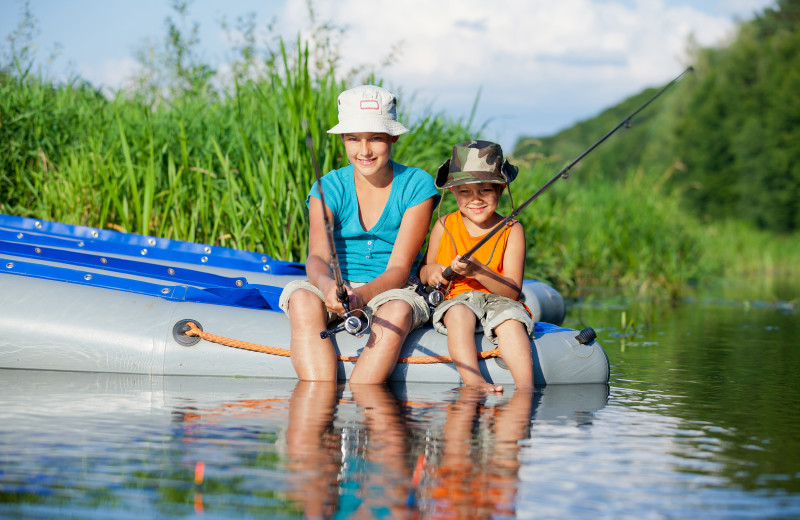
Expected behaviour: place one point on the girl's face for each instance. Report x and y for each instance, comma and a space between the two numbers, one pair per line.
477, 202
369, 152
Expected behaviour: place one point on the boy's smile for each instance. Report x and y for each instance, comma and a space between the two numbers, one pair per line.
478, 202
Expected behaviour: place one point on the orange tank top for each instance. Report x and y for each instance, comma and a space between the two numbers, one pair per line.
458, 242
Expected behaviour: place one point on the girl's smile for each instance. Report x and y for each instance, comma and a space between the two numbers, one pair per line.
369, 152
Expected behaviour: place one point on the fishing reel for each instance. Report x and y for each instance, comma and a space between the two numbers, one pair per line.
352, 324
434, 295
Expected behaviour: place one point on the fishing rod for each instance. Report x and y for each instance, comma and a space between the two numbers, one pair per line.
448, 273
352, 324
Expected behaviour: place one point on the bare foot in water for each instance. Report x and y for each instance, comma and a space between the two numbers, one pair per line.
487, 387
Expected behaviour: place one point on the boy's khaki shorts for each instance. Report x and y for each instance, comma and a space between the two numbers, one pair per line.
419, 309
490, 309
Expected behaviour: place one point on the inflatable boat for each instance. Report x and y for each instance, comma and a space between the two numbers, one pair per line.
74, 298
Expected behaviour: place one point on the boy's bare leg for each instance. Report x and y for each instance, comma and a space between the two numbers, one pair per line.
460, 322
313, 358
515, 348
390, 327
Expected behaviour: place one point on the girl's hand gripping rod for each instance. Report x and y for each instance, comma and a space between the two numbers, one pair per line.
448, 272
352, 324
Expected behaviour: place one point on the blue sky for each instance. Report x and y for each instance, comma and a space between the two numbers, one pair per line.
540, 65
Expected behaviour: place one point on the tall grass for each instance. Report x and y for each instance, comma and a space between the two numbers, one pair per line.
231, 170
230, 167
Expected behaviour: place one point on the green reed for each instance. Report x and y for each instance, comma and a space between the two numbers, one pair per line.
228, 168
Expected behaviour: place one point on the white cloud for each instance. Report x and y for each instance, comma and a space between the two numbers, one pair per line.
109, 73
541, 64
744, 9
532, 57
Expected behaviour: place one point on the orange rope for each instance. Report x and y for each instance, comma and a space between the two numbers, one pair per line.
194, 331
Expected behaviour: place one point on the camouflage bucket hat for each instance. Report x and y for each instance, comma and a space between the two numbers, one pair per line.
475, 161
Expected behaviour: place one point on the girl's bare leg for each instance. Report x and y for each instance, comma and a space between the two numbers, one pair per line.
313, 358
312, 453
390, 327
460, 322
515, 348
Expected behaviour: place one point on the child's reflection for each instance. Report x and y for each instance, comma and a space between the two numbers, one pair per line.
313, 448
380, 484
477, 474
356, 471
364, 468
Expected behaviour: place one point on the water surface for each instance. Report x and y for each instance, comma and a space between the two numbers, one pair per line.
699, 421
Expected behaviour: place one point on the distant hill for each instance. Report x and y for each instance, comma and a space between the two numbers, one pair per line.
627, 148
731, 131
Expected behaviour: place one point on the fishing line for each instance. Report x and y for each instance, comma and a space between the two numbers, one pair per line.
448, 273
352, 324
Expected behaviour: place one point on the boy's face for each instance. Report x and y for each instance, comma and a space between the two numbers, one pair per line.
477, 201
368, 152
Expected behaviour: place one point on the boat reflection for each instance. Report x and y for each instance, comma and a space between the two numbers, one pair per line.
277, 448
418, 451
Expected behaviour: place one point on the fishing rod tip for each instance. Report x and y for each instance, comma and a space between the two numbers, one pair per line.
307, 128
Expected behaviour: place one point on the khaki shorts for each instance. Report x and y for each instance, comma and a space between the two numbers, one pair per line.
419, 309
490, 309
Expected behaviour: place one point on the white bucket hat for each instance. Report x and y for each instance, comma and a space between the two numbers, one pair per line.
368, 109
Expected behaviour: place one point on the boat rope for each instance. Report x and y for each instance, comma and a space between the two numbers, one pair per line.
194, 331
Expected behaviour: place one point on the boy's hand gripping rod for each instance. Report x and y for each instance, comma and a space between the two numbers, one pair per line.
434, 298
352, 324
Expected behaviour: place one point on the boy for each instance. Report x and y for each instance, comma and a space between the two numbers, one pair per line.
488, 285
380, 211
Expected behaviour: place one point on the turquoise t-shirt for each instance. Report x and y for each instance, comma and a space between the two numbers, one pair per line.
363, 255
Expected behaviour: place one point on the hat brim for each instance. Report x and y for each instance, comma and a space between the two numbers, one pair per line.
441, 175
443, 172
392, 128
471, 181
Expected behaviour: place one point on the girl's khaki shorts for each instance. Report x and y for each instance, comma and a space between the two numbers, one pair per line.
420, 310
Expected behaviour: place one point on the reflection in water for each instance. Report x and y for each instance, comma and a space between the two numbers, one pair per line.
359, 469
118, 445
230, 448
363, 468
477, 477
463, 462
313, 448
376, 475
727, 371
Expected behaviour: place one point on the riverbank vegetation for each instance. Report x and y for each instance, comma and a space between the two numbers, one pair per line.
193, 153
706, 182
